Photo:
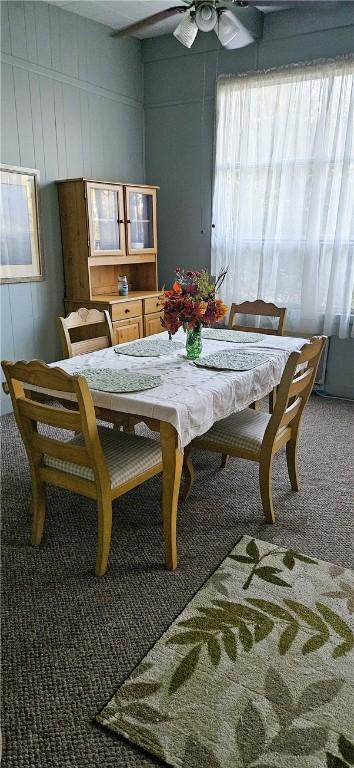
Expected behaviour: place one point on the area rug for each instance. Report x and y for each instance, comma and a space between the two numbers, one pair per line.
256, 672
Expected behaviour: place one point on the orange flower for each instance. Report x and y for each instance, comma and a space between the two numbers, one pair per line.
220, 309
176, 287
201, 308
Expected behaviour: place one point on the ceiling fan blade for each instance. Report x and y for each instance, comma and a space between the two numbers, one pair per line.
154, 19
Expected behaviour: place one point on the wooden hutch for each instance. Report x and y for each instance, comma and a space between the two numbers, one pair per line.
109, 229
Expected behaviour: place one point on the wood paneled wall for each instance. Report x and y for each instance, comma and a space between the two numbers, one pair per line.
179, 132
180, 115
71, 106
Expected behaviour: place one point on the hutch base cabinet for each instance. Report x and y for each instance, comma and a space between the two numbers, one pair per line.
133, 316
109, 230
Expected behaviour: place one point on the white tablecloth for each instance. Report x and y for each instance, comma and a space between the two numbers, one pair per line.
190, 398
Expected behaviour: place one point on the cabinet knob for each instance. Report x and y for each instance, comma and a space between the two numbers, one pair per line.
213, 226
127, 310
120, 221
128, 221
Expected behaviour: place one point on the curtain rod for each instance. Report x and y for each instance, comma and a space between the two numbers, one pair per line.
289, 68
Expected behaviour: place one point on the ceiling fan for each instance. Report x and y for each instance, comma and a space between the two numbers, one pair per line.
203, 16
214, 15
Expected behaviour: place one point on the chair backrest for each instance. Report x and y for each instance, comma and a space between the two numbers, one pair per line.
295, 387
78, 331
29, 414
259, 308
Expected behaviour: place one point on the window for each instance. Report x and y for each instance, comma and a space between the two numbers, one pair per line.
283, 204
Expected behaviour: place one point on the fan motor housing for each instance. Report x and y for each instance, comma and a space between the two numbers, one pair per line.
206, 15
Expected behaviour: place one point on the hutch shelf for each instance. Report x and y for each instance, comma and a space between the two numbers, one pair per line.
109, 229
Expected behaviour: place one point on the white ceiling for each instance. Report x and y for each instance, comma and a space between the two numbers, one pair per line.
120, 13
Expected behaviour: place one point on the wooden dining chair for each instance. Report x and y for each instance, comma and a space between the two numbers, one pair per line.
97, 462
79, 332
257, 308
258, 436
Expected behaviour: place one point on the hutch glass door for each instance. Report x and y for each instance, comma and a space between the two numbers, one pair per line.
106, 215
141, 220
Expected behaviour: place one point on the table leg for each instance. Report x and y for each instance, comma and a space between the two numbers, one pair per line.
172, 460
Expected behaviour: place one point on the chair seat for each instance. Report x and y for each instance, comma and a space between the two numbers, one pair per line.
126, 456
244, 431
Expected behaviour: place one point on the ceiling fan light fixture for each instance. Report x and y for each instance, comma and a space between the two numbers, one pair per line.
206, 16
186, 31
230, 32
227, 27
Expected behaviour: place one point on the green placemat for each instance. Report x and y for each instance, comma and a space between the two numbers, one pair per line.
149, 348
109, 380
256, 672
232, 360
237, 337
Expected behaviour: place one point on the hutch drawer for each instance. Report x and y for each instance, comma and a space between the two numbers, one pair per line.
153, 304
125, 309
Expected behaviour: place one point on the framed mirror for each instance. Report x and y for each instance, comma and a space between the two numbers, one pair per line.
20, 250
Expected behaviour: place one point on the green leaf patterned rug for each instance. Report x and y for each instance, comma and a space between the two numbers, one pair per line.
256, 672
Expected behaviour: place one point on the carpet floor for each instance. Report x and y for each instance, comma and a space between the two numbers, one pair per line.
70, 639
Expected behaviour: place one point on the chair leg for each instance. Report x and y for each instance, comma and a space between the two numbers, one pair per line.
291, 459
272, 398
38, 509
224, 460
128, 426
256, 406
104, 520
188, 471
265, 484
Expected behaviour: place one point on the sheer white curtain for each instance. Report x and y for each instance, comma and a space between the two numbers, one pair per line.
283, 205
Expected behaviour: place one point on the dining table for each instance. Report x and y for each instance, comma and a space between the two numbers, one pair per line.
187, 402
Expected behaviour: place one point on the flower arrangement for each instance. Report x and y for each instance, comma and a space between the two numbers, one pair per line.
192, 301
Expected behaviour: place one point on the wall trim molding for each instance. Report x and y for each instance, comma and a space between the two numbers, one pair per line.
266, 40
179, 102
75, 82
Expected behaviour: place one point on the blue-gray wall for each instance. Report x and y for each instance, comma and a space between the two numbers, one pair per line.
72, 105
72, 101
179, 130
179, 127
339, 380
